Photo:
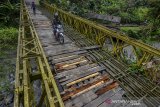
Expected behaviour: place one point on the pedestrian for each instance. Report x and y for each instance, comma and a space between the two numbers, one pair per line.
33, 6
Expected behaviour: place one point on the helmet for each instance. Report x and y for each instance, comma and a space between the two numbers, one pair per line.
59, 26
56, 14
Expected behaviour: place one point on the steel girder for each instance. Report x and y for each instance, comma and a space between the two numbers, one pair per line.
142, 52
29, 53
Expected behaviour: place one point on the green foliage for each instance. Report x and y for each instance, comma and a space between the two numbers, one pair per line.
135, 29
133, 34
132, 31
146, 12
137, 15
153, 27
123, 8
140, 14
9, 13
125, 17
8, 35
136, 69
155, 8
8, 44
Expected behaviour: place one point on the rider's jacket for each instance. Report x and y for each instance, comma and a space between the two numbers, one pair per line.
55, 22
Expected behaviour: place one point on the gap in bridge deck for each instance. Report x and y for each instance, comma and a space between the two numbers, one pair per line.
71, 68
79, 78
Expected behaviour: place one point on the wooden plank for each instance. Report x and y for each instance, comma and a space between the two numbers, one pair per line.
107, 88
77, 70
78, 51
70, 64
87, 73
64, 58
98, 101
84, 88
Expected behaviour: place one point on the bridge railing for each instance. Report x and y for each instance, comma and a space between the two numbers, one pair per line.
138, 52
29, 53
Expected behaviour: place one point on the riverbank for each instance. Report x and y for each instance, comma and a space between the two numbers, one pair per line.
8, 48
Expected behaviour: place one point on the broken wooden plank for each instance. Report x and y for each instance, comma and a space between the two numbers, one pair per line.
84, 75
107, 88
84, 88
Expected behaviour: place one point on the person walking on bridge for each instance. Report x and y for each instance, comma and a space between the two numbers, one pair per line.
33, 6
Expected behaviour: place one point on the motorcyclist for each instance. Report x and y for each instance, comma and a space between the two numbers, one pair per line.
55, 23
56, 18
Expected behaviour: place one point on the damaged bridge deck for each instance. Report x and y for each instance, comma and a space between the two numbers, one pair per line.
86, 74
79, 77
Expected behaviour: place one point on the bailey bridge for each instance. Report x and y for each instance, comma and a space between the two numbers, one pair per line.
85, 71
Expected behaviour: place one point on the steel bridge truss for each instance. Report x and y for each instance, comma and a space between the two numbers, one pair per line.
142, 52
32, 65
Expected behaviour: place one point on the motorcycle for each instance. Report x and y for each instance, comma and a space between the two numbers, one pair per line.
59, 34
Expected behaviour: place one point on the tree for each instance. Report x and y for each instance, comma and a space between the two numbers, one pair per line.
155, 11
153, 27
9, 12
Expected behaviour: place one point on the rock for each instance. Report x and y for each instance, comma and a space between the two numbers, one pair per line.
2, 104
1, 97
9, 99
